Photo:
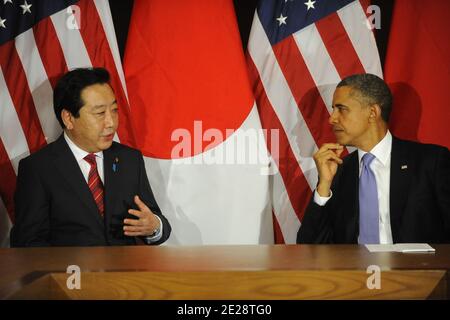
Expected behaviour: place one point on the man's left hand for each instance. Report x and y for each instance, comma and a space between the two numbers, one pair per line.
146, 223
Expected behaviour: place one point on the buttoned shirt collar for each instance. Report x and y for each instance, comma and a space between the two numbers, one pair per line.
77, 151
381, 151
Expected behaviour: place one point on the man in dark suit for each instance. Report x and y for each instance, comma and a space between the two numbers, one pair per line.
388, 190
84, 189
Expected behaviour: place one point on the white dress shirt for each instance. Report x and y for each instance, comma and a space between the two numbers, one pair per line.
85, 167
381, 167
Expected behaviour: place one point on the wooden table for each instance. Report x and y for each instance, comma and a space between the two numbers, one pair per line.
223, 272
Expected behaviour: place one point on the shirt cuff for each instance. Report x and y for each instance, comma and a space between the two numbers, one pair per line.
157, 236
321, 201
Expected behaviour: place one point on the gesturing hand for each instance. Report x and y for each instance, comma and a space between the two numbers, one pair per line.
327, 159
146, 223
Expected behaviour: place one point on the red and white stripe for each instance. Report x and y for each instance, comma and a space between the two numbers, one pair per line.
29, 68
293, 84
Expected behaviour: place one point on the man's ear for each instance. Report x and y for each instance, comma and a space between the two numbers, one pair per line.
67, 118
375, 112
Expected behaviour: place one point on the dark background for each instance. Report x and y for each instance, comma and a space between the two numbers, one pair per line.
245, 9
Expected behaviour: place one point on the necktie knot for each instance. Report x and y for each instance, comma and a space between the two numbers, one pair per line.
367, 159
90, 158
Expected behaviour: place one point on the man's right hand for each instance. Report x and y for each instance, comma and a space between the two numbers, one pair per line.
327, 159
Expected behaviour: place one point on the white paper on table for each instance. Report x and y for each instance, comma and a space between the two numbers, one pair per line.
400, 247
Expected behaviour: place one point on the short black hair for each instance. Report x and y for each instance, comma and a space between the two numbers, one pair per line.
67, 93
372, 89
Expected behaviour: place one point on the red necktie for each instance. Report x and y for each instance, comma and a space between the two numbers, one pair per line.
95, 183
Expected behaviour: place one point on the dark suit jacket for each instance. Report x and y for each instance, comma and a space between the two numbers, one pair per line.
419, 199
54, 206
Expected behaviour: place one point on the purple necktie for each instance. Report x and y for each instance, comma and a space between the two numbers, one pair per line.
368, 204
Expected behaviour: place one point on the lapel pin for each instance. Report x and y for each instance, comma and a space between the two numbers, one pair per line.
115, 164
404, 167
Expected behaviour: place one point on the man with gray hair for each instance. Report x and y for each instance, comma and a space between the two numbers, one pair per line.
387, 191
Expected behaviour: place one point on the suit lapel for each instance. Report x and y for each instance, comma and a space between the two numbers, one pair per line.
352, 202
69, 169
111, 172
399, 184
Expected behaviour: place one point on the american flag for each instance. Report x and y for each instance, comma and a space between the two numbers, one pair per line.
298, 51
39, 41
